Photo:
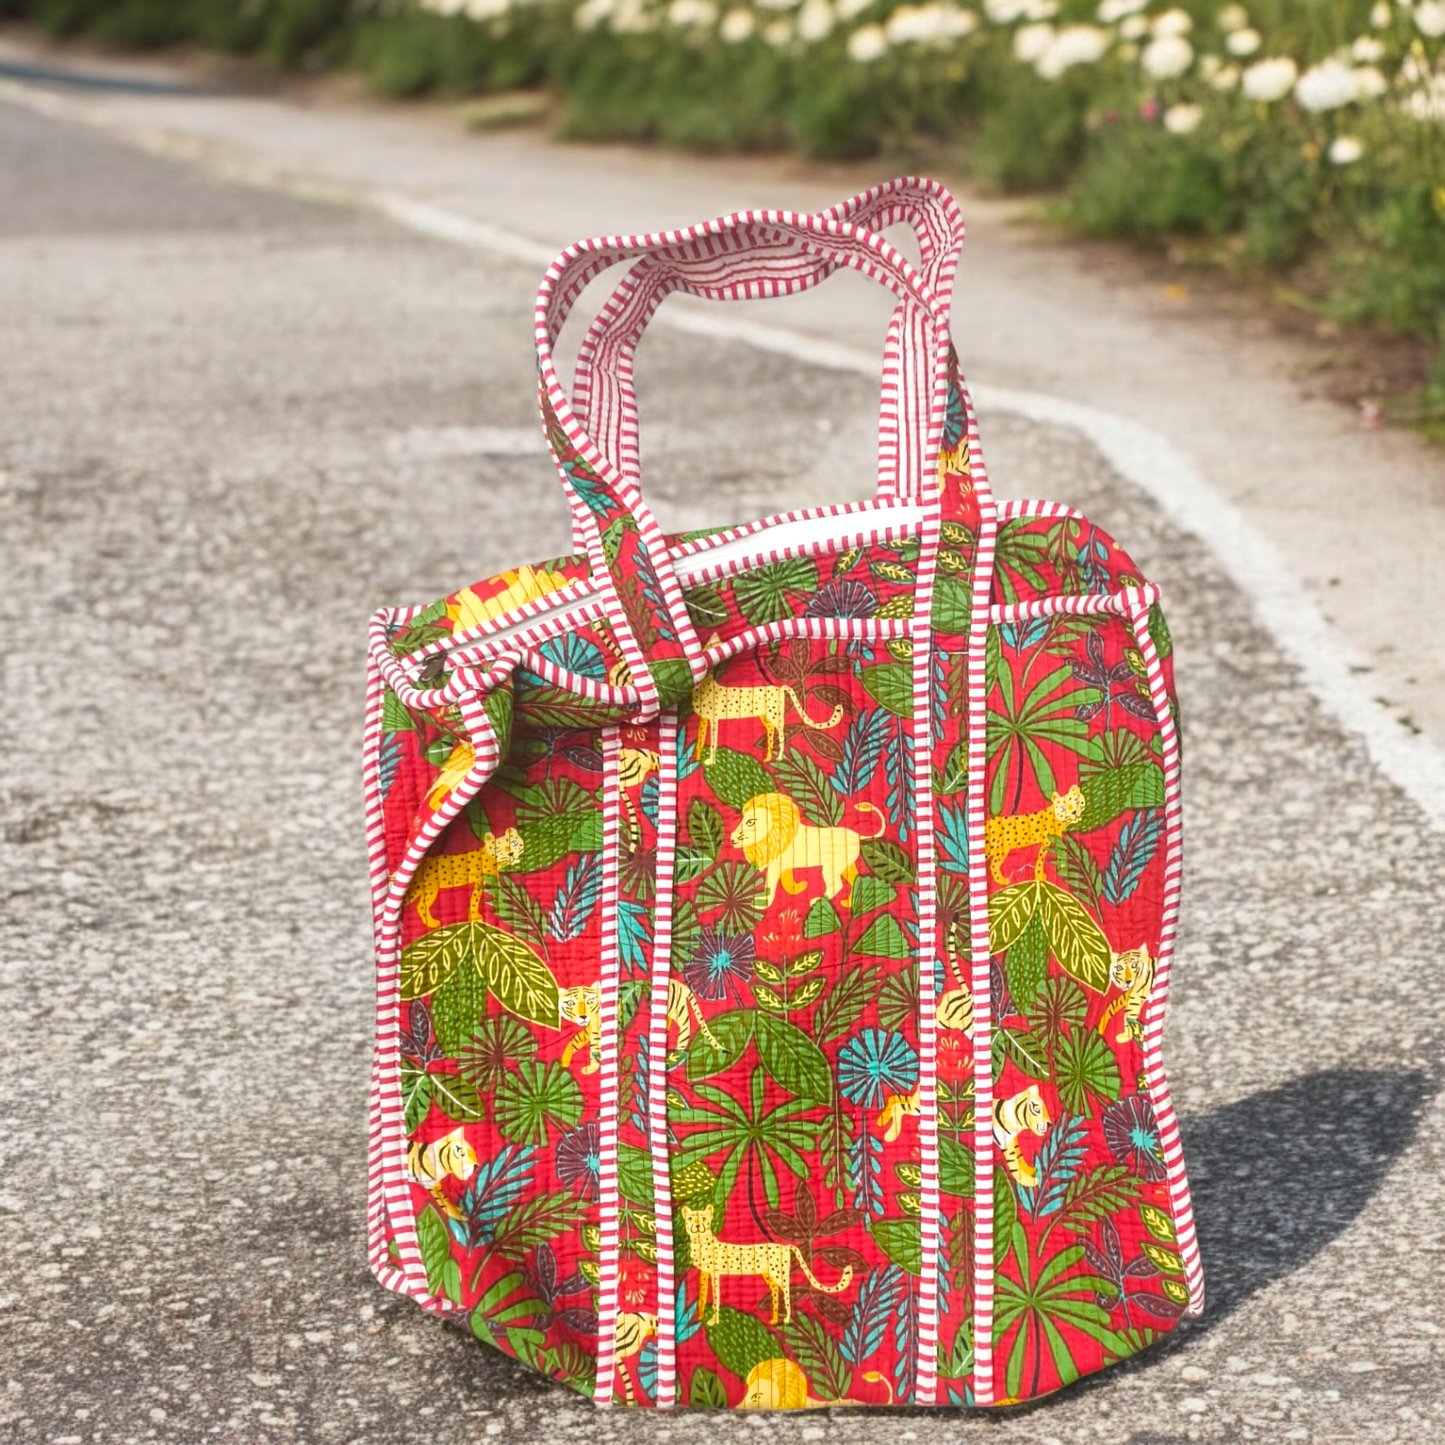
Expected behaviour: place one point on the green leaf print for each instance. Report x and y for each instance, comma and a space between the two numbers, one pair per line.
870, 893
428, 962
822, 919
692, 1183
735, 888
1022, 1049
518, 978
706, 607
457, 1099
891, 686
1078, 871
1084, 1065
768, 593
1120, 790
1077, 942
793, 1060
807, 785
1159, 632
634, 1174
458, 1005
705, 827
843, 1005
705, 1391
1026, 964
952, 605
886, 860
818, 1355
415, 1095
535, 1096
735, 777
883, 938
537, 1219
1058, 1008
955, 1168
901, 1241
1025, 727
1005, 1215
741, 1341
435, 1244
732, 1031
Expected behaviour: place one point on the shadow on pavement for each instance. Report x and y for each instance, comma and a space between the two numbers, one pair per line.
1279, 1175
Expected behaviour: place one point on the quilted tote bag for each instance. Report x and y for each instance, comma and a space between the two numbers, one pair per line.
773, 924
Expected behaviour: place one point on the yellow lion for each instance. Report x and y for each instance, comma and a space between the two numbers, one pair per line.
773, 837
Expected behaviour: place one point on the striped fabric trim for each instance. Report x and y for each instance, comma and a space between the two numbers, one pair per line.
1117, 604
926, 1380
389, 1188
983, 1145
668, 728
608, 1203
1152, 1019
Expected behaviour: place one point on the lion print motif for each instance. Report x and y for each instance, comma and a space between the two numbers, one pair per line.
774, 837
713, 703
460, 870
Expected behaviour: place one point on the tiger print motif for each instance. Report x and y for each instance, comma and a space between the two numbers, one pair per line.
632, 1332
896, 1108
1002, 835
581, 1005
449, 1157
1024, 1111
459, 870
1132, 971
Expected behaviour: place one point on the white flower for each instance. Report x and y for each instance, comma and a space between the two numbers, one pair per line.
1167, 56
1430, 17
1031, 41
687, 13
1005, 12
737, 26
1233, 17
1345, 150
1243, 42
1268, 80
779, 32
591, 13
1136, 27
867, 44
1367, 50
1181, 119
1369, 82
1110, 11
1225, 78
929, 24
1381, 15
815, 20
1326, 86
631, 17
1073, 45
1171, 22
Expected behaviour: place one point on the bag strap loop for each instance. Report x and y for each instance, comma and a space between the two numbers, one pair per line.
620, 534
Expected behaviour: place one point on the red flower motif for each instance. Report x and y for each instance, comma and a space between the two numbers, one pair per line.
635, 1282
787, 933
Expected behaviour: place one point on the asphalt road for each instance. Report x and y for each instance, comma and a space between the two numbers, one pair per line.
225, 437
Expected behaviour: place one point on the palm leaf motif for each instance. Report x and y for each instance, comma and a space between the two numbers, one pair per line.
1025, 722
1038, 1307
576, 898
862, 750
1131, 856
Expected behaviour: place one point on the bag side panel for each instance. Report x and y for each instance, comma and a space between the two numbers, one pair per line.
498, 1046
1082, 852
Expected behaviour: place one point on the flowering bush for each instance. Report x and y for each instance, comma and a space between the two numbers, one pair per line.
1306, 135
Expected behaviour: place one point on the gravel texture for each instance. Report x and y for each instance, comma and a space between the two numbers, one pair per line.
214, 463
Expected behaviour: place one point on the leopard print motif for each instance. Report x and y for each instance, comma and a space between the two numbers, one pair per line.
1001, 836
457, 870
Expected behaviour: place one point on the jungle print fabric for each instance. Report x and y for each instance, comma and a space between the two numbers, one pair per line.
670, 1102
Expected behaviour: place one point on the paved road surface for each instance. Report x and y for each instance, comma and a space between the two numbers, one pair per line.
226, 434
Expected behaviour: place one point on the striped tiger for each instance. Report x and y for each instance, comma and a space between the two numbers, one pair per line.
1025, 1110
449, 1157
897, 1107
633, 1331
1132, 971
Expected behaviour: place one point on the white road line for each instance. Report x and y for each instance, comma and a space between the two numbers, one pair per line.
1141, 456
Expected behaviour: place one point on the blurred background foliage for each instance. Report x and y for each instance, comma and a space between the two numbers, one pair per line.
1290, 140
